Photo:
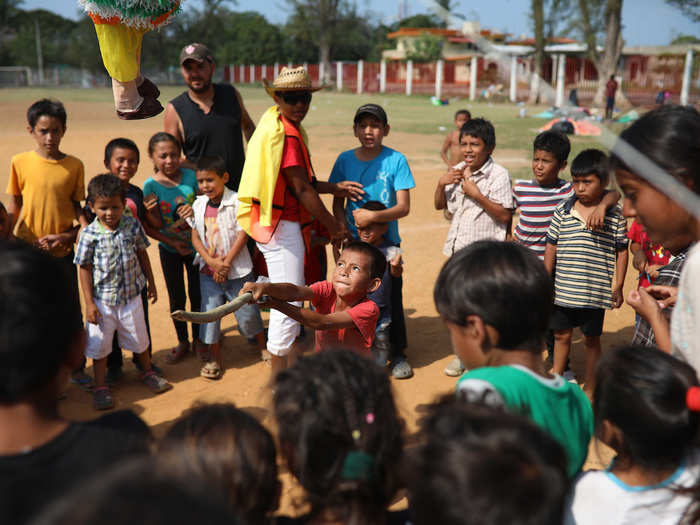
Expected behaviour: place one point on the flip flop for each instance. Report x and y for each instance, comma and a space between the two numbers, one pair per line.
211, 370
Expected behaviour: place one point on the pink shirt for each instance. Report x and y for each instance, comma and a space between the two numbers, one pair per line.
364, 316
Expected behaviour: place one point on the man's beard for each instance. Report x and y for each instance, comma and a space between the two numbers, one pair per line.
206, 84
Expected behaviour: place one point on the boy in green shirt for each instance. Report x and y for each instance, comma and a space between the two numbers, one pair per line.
495, 299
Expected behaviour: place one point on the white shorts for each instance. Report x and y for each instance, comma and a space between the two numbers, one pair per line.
127, 320
284, 255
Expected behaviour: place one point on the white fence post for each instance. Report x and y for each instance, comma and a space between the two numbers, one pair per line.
513, 78
409, 77
687, 71
289, 65
252, 73
382, 76
321, 73
241, 69
438, 78
360, 75
472, 77
276, 69
263, 73
339, 75
561, 69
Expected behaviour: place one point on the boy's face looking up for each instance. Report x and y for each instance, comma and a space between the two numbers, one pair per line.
212, 184
108, 210
546, 167
370, 131
123, 164
352, 277
373, 233
474, 151
589, 189
48, 132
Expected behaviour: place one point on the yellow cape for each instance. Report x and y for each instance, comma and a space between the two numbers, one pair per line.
262, 167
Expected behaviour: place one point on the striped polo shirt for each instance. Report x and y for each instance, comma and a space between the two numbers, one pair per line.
585, 262
537, 205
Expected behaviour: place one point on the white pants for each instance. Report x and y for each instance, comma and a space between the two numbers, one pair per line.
127, 320
284, 255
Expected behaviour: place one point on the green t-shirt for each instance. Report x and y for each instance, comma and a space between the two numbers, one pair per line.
559, 407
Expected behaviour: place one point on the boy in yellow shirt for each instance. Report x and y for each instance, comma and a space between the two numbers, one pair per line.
46, 187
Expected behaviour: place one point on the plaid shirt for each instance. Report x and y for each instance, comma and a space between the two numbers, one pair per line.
470, 222
669, 275
117, 276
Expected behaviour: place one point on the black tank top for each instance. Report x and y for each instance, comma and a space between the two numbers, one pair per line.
216, 133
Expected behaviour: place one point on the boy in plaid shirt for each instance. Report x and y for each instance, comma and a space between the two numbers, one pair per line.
112, 261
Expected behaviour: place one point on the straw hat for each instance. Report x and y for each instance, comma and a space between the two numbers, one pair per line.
291, 79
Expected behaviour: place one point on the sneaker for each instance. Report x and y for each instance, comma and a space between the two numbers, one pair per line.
155, 382
82, 380
455, 368
401, 369
150, 107
102, 398
154, 367
569, 376
114, 375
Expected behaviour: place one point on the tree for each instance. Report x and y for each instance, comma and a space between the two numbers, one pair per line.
607, 63
685, 39
537, 15
425, 48
689, 7
419, 21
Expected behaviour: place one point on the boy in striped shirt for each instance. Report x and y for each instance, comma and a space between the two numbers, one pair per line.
583, 262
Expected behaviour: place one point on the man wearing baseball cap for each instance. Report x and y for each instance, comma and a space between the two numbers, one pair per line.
208, 119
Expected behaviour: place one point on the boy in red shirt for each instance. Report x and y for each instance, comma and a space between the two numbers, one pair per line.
344, 317
647, 257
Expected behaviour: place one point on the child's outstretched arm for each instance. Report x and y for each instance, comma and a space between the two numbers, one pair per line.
596, 220
308, 197
145, 263
402, 207
282, 291
310, 318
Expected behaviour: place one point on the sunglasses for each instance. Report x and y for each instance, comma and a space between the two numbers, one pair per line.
294, 97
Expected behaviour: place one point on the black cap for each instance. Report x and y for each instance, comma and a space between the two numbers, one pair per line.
371, 109
196, 52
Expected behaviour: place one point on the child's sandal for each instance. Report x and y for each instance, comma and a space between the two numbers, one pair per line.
211, 370
176, 353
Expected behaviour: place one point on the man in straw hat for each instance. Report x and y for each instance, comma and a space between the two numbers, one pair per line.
279, 197
208, 118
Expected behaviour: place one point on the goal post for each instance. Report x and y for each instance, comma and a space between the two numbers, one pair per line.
15, 76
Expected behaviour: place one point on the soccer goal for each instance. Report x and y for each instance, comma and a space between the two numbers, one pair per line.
15, 76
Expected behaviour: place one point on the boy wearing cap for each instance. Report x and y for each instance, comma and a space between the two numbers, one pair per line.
208, 118
385, 177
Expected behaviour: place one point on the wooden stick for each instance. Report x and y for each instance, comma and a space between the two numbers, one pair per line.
215, 314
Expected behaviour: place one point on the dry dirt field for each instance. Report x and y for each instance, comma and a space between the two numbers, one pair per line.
92, 122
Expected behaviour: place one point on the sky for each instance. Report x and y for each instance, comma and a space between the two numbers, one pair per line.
645, 22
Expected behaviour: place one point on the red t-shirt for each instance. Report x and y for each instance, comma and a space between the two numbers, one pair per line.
655, 253
292, 155
364, 315
610, 88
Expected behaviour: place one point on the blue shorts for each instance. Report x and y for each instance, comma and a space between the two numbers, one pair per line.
215, 294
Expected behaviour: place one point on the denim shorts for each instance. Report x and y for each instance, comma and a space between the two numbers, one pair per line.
215, 294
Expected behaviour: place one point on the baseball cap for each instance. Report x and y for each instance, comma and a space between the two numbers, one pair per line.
371, 109
197, 52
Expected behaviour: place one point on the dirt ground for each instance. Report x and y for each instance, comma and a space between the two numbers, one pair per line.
92, 124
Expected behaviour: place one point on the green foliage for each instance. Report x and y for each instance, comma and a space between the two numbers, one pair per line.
420, 20
426, 48
685, 39
689, 7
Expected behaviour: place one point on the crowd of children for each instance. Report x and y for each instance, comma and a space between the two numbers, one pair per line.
508, 448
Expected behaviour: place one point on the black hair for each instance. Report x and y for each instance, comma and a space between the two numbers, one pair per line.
46, 107
36, 298
136, 491
488, 465
503, 283
232, 451
668, 136
162, 136
373, 206
553, 142
480, 128
2, 207
340, 434
378, 266
120, 143
642, 391
591, 162
215, 164
104, 186
464, 112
